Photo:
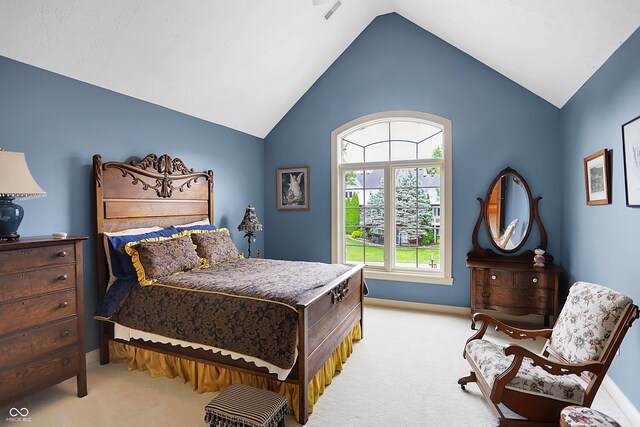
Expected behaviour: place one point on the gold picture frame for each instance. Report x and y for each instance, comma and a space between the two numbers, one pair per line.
596, 178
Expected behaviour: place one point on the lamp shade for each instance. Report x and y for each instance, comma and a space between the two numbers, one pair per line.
15, 179
250, 221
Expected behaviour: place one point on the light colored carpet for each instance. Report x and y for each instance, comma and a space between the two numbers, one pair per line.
403, 373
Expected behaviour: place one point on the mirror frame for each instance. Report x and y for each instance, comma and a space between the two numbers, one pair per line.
498, 178
480, 253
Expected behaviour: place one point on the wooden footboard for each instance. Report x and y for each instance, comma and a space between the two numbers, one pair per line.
323, 322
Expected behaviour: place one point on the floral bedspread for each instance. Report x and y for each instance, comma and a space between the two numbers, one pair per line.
246, 306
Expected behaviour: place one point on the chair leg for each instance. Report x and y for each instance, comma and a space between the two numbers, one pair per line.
471, 378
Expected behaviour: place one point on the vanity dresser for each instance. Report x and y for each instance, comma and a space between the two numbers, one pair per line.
41, 315
502, 280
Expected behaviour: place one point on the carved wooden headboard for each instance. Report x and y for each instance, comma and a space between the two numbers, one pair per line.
157, 190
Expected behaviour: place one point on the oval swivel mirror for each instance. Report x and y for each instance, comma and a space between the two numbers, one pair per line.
508, 211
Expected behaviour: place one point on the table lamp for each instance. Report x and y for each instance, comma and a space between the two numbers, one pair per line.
250, 224
16, 182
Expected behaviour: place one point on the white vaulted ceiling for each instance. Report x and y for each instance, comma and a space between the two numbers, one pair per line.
244, 63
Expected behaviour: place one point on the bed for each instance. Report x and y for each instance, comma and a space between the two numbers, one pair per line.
162, 191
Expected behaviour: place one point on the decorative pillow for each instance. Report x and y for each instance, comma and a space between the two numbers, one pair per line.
120, 263
215, 246
158, 257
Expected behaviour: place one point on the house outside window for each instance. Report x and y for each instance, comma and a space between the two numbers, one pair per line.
391, 196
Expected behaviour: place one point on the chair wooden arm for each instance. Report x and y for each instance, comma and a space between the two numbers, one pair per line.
512, 331
554, 367
551, 366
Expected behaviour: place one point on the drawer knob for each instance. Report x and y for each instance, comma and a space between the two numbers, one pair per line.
486, 294
541, 299
64, 333
63, 277
493, 277
64, 304
534, 280
65, 361
62, 254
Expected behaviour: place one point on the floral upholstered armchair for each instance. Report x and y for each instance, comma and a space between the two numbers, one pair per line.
571, 367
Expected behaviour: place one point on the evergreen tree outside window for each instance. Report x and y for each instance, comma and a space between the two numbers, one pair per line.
391, 185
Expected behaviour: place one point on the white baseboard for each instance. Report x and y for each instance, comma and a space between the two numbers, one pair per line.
530, 321
419, 306
623, 402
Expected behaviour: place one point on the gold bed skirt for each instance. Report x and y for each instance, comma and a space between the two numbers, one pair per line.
211, 378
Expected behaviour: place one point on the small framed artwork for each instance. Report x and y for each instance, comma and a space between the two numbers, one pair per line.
596, 178
631, 159
293, 188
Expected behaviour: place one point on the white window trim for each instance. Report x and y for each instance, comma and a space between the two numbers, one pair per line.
443, 277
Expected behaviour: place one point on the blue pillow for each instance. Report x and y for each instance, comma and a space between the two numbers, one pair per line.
121, 264
197, 227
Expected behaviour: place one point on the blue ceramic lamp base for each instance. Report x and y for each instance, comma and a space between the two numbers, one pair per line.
11, 216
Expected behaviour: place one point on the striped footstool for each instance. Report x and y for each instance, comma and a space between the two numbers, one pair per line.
240, 405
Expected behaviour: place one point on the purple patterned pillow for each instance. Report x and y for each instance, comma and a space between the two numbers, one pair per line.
215, 246
162, 257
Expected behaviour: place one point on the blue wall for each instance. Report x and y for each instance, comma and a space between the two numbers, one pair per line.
59, 123
395, 65
602, 243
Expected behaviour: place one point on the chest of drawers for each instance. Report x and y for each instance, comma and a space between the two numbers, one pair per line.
515, 288
41, 316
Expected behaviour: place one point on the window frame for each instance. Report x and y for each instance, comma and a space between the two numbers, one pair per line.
388, 271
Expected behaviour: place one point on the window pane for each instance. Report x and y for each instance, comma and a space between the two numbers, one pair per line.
406, 257
351, 153
374, 217
429, 255
431, 148
374, 254
412, 131
353, 180
373, 178
429, 177
374, 198
406, 237
370, 134
406, 178
401, 150
354, 254
378, 152
352, 220
374, 236
406, 218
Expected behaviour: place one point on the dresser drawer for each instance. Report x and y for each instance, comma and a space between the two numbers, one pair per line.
32, 258
21, 314
514, 301
40, 372
495, 277
35, 342
533, 279
32, 283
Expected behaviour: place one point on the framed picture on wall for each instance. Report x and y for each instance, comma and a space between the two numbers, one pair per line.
293, 188
596, 178
631, 159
